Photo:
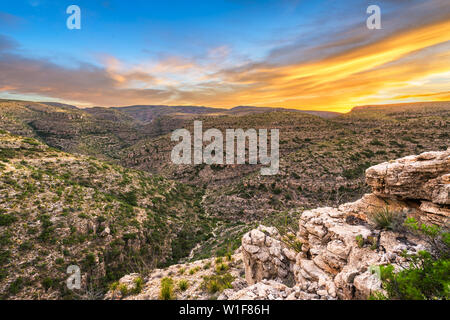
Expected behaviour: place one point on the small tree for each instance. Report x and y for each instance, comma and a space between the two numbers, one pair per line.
427, 276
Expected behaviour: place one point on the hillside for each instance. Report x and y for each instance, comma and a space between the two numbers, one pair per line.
322, 161
59, 209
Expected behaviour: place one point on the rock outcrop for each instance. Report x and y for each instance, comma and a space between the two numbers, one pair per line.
424, 177
341, 248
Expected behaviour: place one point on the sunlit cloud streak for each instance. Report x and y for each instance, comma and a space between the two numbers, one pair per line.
407, 61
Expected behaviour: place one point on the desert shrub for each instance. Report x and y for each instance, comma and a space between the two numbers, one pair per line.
46, 234
166, 292
376, 142
217, 283
183, 285
194, 270
113, 286
30, 141
287, 225
7, 219
386, 219
229, 256
427, 275
16, 286
359, 240
47, 283
123, 289
129, 198
138, 285
276, 190
426, 278
7, 153
222, 267
438, 239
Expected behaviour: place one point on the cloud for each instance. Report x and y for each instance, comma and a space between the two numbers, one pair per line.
408, 60
8, 20
7, 44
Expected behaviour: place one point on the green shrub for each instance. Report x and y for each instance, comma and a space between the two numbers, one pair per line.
47, 283
194, 270
427, 276
129, 198
123, 289
7, 219
16, 286
114, 286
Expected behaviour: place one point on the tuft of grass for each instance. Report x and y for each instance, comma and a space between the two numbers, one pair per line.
194, 270
183, 285
138, 285
386, 219
217, 283
222, 267
166, 292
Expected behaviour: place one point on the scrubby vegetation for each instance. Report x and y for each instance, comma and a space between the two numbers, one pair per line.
426, 275
217, 283
108, 220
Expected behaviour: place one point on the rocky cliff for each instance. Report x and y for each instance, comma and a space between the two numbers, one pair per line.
341, 247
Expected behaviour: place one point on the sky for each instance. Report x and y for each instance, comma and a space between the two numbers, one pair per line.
311, 55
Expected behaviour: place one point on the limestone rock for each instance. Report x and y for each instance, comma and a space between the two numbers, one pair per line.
265, 255
425, 176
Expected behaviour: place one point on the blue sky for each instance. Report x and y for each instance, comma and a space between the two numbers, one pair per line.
175, 49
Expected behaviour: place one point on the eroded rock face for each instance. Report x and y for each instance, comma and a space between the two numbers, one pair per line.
337, 257
425, 177
341, 249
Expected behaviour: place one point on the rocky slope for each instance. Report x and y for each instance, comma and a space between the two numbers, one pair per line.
59, 209
322, 158
335, 251
322, 161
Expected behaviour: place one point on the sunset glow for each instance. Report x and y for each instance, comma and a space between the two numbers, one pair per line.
172, 59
